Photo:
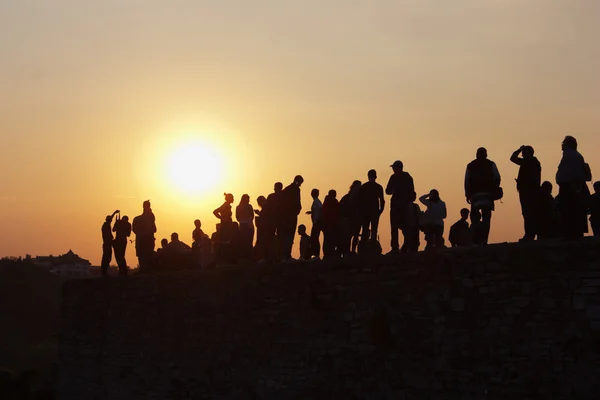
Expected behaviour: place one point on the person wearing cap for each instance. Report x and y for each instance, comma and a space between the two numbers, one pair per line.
290, 208
402, 188
482, 179
529, 180
144, 228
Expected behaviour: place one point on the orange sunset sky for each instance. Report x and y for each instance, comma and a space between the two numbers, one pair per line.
101, 99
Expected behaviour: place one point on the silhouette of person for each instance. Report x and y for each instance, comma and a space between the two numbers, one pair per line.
261, 229
528, 185
176, 246
317, 225
290, 208
305, 252
595, 209
244, 214
122, 231
350, 220
401, 187
271, 214
482, 181
330, 218
162, 253
226, 229
434, 217
107, 244
197, 234
547, 212
372, 204
144, 227
460, 233
572, 190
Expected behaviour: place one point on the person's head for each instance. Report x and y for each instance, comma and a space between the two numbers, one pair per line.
546, 188
228, 198
302, 230
476, 215
482, 153
108, 218
434, 195
332, 194
245, 199
528, 152
174, 237
164, 243
569, 142
597, 187
261, 201
299, 180
372, 175
146, 205
464, 213
197, 223
397, 166
314, 193
278, 187
125, 218
355, 187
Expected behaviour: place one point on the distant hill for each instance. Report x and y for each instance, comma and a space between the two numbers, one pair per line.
30, 300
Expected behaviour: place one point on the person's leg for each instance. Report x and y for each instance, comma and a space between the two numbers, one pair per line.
106, 258
374, 226
366, 232
394, 242
315, 245
439, 236
486, 221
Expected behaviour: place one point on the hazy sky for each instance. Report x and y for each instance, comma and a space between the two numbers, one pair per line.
96, 93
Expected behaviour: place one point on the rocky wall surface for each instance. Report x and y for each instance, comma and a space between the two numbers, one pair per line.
507, 321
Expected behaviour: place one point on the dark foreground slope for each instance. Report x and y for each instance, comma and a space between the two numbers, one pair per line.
29, 319
507, 321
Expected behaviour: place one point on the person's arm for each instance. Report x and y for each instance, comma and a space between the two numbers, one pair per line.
467, 184
389, 189
237, 213
381, 200
217, 213
445, 213
251, 213
423, 200
515, 156
496, 173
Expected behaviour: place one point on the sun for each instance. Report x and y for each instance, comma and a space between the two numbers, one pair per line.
194, 168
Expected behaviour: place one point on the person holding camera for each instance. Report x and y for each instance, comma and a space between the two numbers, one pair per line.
529, 180
122, 231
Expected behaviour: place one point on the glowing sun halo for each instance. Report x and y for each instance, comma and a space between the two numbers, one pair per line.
194, 168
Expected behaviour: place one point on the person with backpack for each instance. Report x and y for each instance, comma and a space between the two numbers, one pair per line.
401, 187
482, 189
529, 180
571, 177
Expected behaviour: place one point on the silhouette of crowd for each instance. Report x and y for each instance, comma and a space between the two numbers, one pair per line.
349, 226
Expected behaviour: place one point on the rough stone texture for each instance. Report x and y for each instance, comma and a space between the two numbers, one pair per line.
504, 322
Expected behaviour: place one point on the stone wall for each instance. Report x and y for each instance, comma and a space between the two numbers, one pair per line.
503, 322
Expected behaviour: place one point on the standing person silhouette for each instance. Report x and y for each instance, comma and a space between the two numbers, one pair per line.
315, 216
528, 186
144, 227
482, 182
372, 204
107, 244
244, 214
350, 220
122, 231
573, 192
290, 207
271, 214
330, 218
402, 188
